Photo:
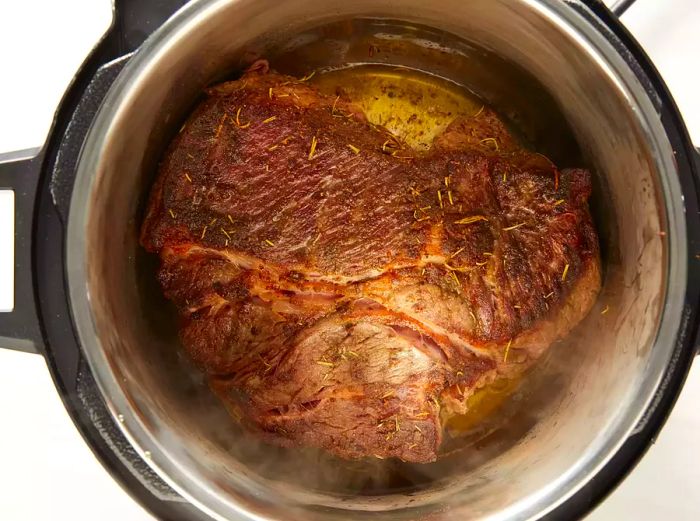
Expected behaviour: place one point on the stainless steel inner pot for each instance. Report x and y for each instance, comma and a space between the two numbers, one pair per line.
556, 78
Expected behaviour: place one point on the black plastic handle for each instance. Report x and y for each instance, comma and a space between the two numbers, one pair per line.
133, 22
694, 270
620, 6
19, 328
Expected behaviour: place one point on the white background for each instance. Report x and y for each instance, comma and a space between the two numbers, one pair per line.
46, 470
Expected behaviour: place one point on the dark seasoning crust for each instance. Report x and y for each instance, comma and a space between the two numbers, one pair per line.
344, 292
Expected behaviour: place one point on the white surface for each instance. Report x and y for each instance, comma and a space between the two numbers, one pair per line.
47, 471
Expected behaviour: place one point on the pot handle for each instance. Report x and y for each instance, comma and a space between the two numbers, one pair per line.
19, 328
133, 21
620, 6
695, 256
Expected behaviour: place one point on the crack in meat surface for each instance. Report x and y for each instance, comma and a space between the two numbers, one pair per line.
344, 292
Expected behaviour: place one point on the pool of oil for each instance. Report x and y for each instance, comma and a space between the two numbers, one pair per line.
411, 104
481, 405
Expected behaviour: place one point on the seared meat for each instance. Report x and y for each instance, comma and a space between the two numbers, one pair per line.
344, 292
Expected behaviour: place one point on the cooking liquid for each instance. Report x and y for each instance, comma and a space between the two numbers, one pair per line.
417, 107
411, 104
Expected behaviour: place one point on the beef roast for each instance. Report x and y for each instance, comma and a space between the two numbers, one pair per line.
341, 290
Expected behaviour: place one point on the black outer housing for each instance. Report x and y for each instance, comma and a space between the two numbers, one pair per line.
43, 307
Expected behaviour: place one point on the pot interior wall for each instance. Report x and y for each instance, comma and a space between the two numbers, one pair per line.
565, 106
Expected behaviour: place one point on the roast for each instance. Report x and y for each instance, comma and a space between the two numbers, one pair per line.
341, 290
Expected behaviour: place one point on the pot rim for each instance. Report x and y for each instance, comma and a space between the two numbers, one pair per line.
183, 479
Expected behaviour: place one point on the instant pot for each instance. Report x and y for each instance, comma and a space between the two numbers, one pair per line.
566, 73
